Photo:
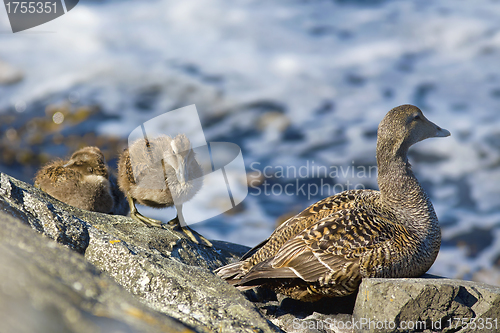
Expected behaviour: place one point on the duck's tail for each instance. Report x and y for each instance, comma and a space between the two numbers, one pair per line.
232, 273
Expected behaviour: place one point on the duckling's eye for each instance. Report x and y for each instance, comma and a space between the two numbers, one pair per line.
417, 117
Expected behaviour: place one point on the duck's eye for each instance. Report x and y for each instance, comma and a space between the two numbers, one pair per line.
417, 117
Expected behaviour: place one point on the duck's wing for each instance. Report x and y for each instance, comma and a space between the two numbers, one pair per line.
311, 215
325, 207
329, 250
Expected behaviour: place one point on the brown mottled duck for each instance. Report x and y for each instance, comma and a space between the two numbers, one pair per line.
82, 182
158, 173
327, 249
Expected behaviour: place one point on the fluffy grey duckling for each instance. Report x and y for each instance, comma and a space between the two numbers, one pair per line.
327, 249
154, 172
83, 181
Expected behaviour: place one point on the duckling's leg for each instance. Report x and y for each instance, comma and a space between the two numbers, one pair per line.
178, 223
134, 213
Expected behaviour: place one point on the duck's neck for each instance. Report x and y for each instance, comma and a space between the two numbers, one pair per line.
401, 191
395, 178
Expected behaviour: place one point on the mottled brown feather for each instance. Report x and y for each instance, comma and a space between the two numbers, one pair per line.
330, 246
82, 181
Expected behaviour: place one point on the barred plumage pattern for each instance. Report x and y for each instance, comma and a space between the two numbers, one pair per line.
329, 247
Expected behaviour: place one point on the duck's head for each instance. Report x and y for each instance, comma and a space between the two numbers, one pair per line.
88, 161
404, 126
181, 157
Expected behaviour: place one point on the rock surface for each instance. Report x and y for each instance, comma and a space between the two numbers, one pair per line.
45, 287
427, 304
159, 266
299, 317
88, 283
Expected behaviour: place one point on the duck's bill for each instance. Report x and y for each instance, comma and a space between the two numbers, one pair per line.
441, 132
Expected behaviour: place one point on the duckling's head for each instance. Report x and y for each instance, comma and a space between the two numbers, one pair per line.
88, 161
181, 158
404, 126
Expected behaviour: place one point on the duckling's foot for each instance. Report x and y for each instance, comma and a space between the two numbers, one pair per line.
146, 220
139, 217
175, 224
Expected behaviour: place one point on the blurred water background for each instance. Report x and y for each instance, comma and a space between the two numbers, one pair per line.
294, 84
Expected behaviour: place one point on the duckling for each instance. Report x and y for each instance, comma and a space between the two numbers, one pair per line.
159, 173
83, 181
327, 249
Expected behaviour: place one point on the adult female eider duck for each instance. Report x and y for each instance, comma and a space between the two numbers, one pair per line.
154, 172
83, 181
327, 249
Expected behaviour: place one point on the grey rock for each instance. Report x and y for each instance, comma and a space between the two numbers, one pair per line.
190, 293
428, 304
166, 271
45, 287
324, 316
43, 213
